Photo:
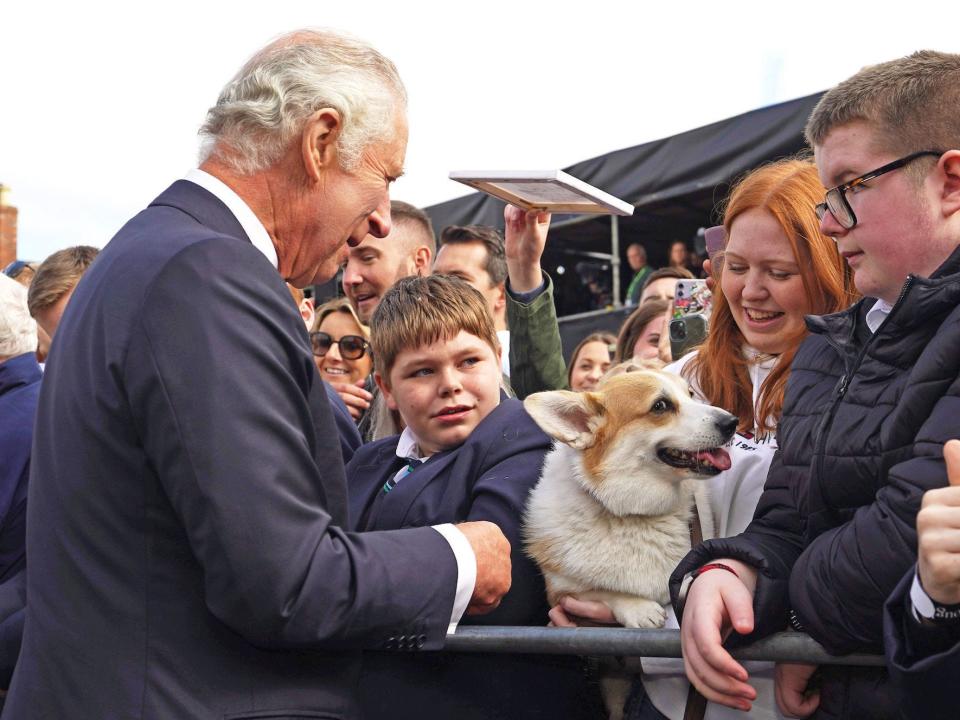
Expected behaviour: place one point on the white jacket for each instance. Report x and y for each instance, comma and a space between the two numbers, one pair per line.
733, 496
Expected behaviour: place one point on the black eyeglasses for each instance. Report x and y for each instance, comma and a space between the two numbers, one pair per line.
836, 199
14, 269
352, 347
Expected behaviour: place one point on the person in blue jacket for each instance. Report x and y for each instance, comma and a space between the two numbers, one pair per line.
19, 390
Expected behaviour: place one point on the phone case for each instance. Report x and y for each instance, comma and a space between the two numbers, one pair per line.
692, 297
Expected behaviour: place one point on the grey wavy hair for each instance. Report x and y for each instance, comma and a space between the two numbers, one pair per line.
263, 108
18, 331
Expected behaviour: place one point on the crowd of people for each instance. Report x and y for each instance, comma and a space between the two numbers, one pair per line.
218, 499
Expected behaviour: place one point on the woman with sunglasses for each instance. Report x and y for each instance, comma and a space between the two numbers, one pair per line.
341, 349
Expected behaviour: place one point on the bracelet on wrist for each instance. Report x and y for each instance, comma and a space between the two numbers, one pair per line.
693, 575
713, 566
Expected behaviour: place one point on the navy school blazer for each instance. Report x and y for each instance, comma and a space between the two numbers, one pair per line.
487, 478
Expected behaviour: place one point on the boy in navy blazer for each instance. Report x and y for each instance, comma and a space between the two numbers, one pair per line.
468, 453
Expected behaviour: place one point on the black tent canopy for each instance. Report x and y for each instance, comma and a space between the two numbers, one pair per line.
675, 185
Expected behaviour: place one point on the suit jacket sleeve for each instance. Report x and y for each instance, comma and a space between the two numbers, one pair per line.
350, 439
924, 662
219, 379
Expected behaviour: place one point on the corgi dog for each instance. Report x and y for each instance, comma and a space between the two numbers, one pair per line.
609, 517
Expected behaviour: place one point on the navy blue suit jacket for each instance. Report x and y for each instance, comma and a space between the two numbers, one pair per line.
187, 557
924, 662
487, 478
350, 438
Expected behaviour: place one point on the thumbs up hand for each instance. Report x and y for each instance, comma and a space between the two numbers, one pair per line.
938, 531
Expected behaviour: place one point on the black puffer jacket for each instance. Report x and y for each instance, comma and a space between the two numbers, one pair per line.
861, 437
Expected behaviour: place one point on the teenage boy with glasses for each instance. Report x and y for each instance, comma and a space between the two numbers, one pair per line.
873, 395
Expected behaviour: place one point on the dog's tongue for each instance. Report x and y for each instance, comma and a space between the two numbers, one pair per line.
717, 457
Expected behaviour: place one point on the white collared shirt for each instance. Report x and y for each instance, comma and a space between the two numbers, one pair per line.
877, 314
408, 446
258, 235
241, 211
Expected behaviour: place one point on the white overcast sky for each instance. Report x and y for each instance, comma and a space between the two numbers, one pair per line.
101, 101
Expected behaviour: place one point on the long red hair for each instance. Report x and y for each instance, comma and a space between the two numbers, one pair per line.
788, 190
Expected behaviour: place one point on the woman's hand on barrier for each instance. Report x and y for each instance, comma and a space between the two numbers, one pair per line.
791, 687
718, 602
571, 612
525, 237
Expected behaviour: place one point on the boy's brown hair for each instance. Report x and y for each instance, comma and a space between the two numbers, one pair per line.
57, 275
420, 311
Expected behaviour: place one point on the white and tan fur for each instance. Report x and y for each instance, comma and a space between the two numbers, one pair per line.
609, 519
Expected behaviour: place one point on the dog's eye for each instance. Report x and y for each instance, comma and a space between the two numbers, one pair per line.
660, 406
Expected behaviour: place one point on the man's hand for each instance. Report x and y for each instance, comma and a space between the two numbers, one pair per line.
492, 550
570, 612
524, 239
718, 602
354, 396
791, 680
938, 531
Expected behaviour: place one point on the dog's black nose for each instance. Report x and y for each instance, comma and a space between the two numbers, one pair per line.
727, 423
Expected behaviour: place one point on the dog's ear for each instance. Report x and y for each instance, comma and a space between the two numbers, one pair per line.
570, 417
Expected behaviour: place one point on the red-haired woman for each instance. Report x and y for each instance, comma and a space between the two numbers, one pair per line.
775, 268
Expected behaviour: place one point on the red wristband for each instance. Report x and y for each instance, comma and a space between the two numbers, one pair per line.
713, 566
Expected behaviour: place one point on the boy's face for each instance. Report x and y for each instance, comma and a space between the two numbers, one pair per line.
897, 230
444, 390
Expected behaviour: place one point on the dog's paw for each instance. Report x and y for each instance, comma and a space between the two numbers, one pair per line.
639, 613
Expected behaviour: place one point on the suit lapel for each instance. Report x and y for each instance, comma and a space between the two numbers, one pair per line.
366, 481
392, 509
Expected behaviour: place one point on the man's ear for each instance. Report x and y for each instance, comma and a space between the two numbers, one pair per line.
319, 142
307, 313
950, 200
422, 260
570, 417
385, 390
501, 300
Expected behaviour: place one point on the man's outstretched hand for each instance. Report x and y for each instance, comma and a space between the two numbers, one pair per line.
492, 550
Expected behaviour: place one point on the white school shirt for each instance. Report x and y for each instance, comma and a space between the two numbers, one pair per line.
258, 235
734, 494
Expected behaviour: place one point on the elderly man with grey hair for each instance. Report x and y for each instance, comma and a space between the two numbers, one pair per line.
187, 551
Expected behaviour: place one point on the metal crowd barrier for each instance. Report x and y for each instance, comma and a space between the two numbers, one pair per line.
786, 646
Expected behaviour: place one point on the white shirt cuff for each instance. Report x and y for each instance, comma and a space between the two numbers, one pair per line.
920, 601
466, 571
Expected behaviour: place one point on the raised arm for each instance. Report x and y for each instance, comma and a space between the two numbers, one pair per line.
536, 353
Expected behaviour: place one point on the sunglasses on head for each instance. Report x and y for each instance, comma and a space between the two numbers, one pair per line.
352, 347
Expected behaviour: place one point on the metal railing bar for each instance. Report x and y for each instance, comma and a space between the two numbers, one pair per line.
786, 646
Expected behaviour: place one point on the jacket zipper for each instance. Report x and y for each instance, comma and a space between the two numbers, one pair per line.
840, 390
